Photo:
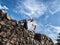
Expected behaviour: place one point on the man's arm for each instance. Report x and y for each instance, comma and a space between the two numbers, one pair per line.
34, 28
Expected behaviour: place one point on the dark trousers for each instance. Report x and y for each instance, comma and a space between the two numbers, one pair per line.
25, 24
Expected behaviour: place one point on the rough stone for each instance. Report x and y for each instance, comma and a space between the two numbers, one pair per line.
13, 33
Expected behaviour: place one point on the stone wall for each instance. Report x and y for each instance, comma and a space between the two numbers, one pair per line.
43, 39
12, 33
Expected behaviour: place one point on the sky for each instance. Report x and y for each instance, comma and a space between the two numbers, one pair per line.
46, 14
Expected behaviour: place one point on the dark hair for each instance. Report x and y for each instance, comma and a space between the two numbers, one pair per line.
32, 20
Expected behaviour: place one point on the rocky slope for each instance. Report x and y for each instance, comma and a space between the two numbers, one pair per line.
12, 33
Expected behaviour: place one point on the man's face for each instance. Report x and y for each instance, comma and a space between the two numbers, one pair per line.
32, 20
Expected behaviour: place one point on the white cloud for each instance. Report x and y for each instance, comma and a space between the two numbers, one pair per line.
55, 7
49, 30
3, 7
34, 8
57, 29
53, 37
52, 31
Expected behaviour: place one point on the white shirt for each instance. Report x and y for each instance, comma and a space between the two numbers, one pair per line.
30, 25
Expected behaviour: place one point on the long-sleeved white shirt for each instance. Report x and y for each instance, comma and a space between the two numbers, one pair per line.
31, 25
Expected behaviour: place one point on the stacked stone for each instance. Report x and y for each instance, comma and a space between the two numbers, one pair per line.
12, 33
43, 39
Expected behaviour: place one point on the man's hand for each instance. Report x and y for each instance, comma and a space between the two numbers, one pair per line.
33, 30
34, 27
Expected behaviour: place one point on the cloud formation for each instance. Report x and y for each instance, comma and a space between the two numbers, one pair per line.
3, 7
52, 31
57, 28
32, 8
55, 7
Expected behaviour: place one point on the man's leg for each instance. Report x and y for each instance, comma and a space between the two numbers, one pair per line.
25, 24
34, 29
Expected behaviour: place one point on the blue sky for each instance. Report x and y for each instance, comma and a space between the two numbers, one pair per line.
46, 14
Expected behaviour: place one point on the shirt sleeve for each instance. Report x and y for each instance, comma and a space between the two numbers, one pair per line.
34, 24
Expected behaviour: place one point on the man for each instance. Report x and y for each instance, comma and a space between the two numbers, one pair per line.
29, 23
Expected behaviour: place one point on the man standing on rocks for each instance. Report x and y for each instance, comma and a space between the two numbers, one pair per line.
28, 24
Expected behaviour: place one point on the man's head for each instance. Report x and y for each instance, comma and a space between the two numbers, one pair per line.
32, 20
